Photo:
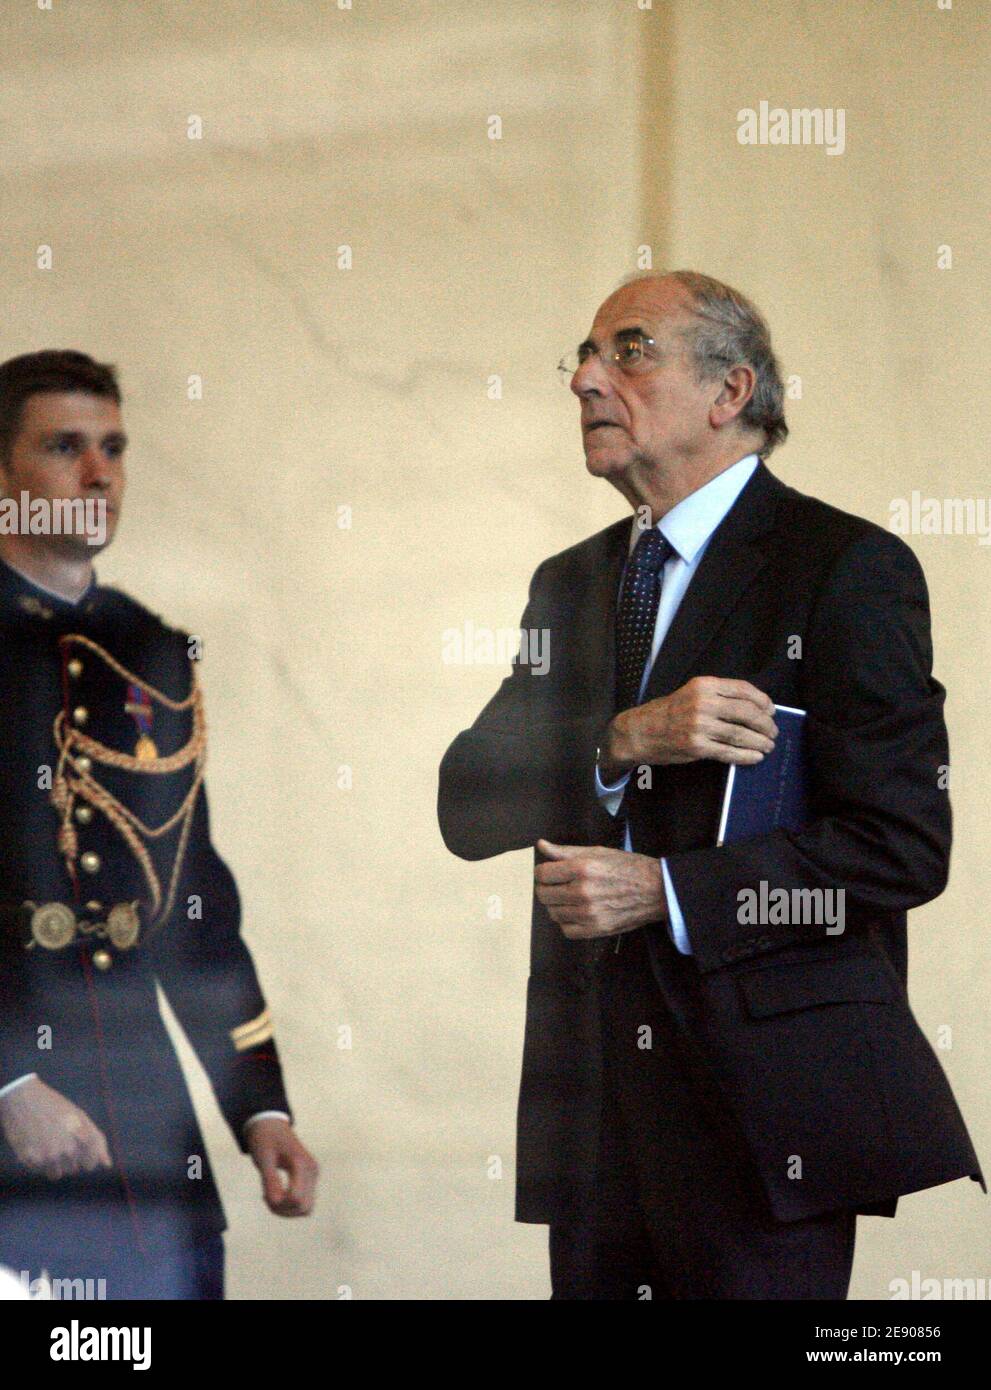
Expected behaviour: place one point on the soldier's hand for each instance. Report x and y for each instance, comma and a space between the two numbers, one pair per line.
288, 1169
49, 1134
728, 721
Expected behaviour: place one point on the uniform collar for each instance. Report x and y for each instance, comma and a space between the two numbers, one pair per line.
20, 597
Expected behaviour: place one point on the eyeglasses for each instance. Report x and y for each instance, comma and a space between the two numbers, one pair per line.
632, 351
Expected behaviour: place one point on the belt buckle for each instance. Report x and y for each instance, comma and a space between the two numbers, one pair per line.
53, 925
123, 925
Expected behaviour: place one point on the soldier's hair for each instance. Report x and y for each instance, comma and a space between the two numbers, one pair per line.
50, 370
728, 329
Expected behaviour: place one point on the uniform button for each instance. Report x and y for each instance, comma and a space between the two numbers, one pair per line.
90, 861
80, 714
84, 764
102, 959
94, 906
84, 814
75, 668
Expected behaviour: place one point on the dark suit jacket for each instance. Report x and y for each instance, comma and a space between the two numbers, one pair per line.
811, 1036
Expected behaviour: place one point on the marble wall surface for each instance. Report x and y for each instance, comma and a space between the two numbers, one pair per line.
374, 292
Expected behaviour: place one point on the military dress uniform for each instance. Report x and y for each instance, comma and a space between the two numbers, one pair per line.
109, 886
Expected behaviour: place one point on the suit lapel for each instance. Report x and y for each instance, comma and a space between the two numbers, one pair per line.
733, 559
597, 629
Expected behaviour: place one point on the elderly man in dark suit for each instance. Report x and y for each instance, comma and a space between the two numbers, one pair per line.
706, 1104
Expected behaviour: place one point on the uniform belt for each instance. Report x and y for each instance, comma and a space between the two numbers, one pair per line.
53, 926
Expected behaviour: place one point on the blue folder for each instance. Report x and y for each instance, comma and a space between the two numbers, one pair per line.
772, 794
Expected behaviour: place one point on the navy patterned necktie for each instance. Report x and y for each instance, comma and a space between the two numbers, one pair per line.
637, 614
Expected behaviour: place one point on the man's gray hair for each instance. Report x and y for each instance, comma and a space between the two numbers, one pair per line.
728, 330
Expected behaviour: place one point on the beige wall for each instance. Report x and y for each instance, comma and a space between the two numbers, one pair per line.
370, 389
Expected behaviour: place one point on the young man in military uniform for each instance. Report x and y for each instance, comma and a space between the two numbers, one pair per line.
109, 885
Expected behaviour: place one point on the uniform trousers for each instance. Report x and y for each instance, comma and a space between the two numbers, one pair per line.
679, 1212
187, 1273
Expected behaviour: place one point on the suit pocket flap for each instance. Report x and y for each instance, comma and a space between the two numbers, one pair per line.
784, 988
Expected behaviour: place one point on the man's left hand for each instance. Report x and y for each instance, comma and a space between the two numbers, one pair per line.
289, 1171
591, 891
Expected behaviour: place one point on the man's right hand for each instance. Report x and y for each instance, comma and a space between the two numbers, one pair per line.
50, 1135
728, 721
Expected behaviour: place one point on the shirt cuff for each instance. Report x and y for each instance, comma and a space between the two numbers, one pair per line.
611, 796
265, 1115
676, 922
13, 1085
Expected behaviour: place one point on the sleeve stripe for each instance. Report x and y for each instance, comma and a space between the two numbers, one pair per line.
256, 1030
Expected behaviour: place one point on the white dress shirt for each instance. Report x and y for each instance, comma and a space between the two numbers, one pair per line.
687, 528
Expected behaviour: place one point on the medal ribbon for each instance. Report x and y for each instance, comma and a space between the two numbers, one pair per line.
140, 708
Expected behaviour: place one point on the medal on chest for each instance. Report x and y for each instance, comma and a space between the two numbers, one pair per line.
138, 705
